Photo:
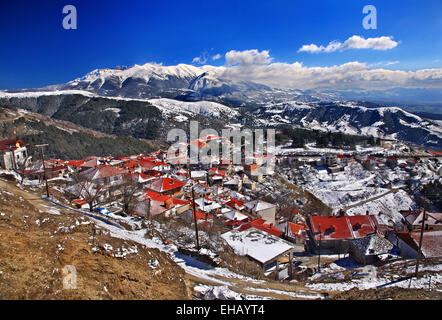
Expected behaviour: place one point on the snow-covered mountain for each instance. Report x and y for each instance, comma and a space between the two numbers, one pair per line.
106, 99
182, 82
354, 118
151, 118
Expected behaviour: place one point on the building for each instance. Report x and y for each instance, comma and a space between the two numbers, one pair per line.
105, 175
13, 154
263, 248
293, 232
262, 209
408, 243
166, 186
413, 219
370, 249
334, 233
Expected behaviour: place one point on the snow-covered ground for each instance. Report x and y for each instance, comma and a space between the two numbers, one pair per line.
372, 282
358, 190
204, 108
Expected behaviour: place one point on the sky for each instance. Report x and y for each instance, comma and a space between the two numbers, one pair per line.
290, 42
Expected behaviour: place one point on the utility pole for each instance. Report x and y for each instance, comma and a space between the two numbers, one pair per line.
44, 166
420, 240
196, 222
150, 217
319, 249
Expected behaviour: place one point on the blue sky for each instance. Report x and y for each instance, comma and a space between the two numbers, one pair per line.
36, 51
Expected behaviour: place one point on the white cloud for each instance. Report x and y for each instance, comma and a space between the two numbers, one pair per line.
216, 57
200, 60
384, 63
354, 42
256, 66
248, 57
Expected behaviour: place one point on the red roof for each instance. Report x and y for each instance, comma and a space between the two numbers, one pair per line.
157, 196
234, 203
201, 215
79, 201
268, 228
131, 164
179, 201
362, 226
257, 223
74, 163
347, 227
148, 164
236, 223
296, 227
215, 171
166, 184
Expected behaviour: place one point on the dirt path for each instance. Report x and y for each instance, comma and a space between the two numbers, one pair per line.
35, 199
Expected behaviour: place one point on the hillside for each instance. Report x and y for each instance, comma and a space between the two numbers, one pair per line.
37, 242
154, 118
65, 139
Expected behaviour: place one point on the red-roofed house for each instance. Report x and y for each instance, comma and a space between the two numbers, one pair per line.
201, 217
80, 204
408, 243
167, 186
147, 165
104, 174
293, 232
334, 232
235, 204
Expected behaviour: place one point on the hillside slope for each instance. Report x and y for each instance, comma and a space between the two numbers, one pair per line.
37, 242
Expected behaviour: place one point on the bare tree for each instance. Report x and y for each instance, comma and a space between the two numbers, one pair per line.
87, 189
130, 190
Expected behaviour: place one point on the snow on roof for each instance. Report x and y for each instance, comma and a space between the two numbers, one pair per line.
198, 174
232, 214
207, 205
373, 245
257, 244
258, 205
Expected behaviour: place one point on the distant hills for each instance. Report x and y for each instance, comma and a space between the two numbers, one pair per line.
146, 101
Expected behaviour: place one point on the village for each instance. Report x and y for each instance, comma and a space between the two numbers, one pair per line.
287, 234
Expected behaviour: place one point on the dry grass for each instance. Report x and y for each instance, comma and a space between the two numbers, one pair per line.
36, 245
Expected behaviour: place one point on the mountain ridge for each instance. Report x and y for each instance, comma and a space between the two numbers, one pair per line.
145, 101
